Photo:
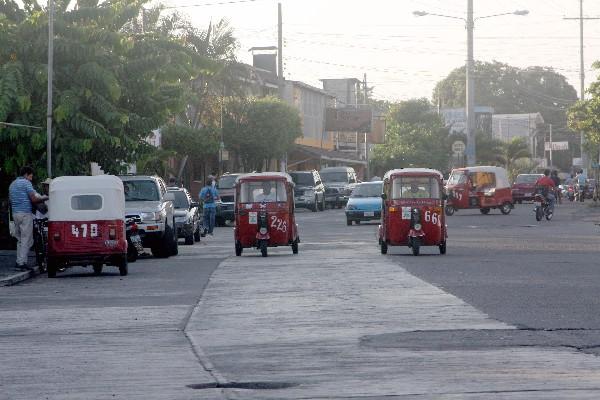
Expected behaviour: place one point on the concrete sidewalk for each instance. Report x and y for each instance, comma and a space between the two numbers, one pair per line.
341, 323
9, 275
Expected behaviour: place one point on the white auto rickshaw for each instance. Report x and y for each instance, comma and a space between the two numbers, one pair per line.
86, 223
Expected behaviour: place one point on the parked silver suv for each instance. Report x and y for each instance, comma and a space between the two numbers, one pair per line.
149, 204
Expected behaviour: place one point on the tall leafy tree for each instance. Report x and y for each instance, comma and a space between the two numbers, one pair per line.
260, 130
113, 83
585, 116
415, 137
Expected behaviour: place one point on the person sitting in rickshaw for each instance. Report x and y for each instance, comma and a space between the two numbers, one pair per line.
416, 192
267, 195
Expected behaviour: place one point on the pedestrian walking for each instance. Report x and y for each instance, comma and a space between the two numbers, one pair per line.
209, 196
22, 197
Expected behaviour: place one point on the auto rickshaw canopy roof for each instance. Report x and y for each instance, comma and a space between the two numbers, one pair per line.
258, 176
412, 171
86, 198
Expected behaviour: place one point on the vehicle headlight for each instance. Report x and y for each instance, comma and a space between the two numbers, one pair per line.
263, 231
151, 216
418, 227
351, 207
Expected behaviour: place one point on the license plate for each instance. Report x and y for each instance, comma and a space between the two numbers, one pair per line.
369, 213
136, 239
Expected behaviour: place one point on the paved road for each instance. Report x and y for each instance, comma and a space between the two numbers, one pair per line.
337, 321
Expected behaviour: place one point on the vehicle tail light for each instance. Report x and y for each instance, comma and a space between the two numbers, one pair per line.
112, 232
56, 236
392, 209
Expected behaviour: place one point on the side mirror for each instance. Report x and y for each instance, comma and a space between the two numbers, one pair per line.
383, 196
169, 197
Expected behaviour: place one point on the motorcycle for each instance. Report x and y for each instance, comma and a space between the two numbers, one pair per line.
570, 192
134, 241
580, 194
542, 207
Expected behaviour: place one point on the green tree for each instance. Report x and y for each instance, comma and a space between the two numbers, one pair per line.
585, 116
415, 137
260, 130
513, 151
113, 83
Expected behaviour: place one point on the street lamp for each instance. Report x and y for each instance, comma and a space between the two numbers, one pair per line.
470, 104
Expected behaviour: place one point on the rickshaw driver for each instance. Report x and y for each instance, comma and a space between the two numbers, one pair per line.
267, 194
415, 192
547, 183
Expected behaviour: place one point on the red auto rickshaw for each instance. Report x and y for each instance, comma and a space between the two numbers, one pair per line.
264, 212
413, 210
86, 223
480, 188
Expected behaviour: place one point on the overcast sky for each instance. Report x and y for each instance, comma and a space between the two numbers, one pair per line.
403, 55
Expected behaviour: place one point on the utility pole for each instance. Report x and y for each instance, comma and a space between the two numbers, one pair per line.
581, 18
368, 169
551, 162
280, 80
470, 103
50, 77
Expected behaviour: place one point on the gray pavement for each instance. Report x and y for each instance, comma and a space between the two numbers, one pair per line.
495, 318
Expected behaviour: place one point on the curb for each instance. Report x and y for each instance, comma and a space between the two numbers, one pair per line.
19, 277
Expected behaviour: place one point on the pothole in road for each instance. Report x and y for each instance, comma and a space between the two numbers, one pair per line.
244, 385
586, 340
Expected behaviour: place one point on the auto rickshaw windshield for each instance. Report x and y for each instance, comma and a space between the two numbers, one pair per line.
457, 178
408, 187
262, 191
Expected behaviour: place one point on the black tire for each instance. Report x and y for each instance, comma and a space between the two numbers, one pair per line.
97, 269
197, 234
263, 248
416, 246
315, 206
322, 204
349, 222
51, 269
189, 240
238, 249
168, 245
549, 216
484, 211
539, 213
357, 222
450, 210
123, 267
384, 247
295, 247
506, 208
132, 254
173, 245
443, 248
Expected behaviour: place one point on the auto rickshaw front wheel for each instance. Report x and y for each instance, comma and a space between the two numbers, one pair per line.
263, 248
384, 247
97, 269
238, 249
295, 246
450, 210
484, 211
51, 269
416, 246
123, 267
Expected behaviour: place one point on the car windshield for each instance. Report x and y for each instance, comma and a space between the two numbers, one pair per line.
334, 176
181, 200
527, 178
368, 190
457, 178
227, 182
302, 179
141, 190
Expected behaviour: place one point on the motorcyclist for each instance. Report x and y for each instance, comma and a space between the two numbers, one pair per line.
548, 187
581, 183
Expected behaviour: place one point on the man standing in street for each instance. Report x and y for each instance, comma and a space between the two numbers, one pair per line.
22, 198
209, 196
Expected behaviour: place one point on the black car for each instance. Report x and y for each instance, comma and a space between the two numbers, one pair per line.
309, 191
187, 215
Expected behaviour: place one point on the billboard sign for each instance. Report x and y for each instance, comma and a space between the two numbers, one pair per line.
348, 120
556, 146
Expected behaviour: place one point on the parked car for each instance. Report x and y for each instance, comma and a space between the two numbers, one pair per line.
225, 204
339, 182
364, 203
309, 191
187, 215
523, 188
151, 207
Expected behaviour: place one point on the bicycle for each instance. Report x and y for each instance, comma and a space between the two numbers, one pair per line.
40, 241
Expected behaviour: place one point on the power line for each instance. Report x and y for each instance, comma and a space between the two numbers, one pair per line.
211, 4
